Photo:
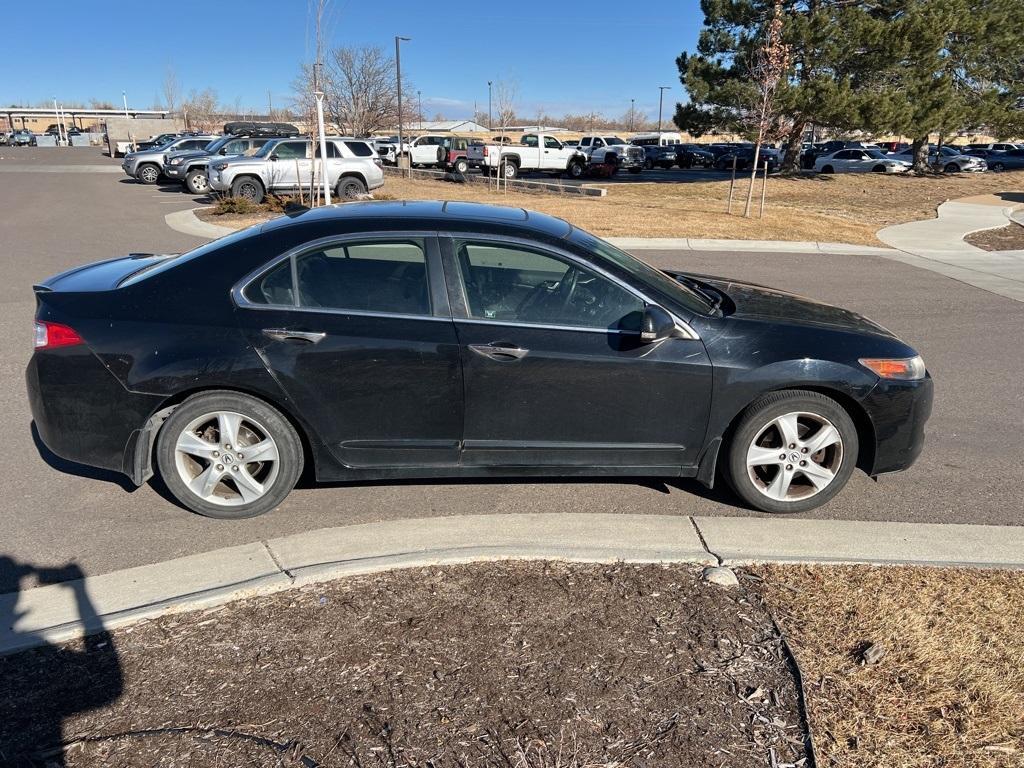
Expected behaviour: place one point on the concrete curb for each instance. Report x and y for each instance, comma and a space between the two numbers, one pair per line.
188, 223
529, 185
53, 613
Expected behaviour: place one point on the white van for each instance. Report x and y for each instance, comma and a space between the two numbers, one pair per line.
656, 139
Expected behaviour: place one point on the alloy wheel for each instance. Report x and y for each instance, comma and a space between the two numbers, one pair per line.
226, 458
794, 456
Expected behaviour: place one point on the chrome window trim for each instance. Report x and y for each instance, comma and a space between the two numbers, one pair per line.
242, 301
684, 329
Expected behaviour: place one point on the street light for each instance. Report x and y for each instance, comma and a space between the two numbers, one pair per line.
419, 99
489, 123
398, 71
661, 97
632, 113
124, 98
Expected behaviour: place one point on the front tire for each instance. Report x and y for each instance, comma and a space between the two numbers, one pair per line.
951, 168
148, 174
828, 169
197, 182
792, 451
248, 188
576, 170
228, 455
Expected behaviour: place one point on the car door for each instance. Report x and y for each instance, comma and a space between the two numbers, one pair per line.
289, 165
555, 372
553, 155
357, 331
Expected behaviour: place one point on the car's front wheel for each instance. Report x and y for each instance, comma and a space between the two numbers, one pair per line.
248, 188
197, 182
228, 455
792, 451
148, 174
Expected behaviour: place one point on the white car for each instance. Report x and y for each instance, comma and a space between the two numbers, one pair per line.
860, 160
950, 161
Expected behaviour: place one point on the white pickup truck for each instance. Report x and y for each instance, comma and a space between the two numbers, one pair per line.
611, 149
534, 152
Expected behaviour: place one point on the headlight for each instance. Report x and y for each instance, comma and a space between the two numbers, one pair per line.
902, 369
176, 161
220, 166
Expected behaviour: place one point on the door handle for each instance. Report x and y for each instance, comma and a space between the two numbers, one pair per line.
502, 351
283, 334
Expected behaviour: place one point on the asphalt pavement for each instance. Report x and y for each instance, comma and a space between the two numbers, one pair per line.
51, 512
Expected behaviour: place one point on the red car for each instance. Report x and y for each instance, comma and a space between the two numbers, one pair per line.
457, 155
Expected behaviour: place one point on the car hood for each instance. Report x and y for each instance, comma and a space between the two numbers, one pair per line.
759, 302
187, 154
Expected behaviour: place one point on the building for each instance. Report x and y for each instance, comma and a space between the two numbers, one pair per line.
444, 126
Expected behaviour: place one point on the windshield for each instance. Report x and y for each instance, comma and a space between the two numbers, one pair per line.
875, 154
642, 271
215, 145
266, 149
613, 140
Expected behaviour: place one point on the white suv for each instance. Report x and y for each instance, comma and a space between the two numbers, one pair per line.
286, 165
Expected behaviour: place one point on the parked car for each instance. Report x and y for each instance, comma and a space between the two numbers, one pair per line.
605, 149
328, 337
809, 157
5, 137
1007, 160
657, 156
694, 156
892, 147
745, 156
148, 166
998, 146
656, 138
156, 141
859, 160
534, 152
947, 160
22, 138
287, 165
429, 151
457, 159
189, 167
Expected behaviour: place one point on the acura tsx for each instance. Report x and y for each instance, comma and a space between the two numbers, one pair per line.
374, 341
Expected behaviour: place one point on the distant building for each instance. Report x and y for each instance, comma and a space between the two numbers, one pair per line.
445, 126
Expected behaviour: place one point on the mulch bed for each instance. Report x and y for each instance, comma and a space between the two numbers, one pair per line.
524, 665
1008, 238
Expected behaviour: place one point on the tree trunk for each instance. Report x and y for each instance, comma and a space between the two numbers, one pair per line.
753, 176
920, 149
794, 144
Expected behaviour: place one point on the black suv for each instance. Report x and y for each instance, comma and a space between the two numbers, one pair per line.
241, 138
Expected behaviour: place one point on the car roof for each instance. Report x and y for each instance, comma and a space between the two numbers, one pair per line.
431, 214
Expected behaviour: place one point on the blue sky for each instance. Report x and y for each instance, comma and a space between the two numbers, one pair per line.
563, 57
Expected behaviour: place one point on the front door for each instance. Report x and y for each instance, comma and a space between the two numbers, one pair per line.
290, 165
555, 373
358, 333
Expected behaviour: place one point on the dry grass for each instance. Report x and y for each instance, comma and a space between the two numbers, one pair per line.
950, 689
842, 208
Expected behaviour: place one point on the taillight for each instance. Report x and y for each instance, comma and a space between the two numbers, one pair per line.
53, 335
486, 153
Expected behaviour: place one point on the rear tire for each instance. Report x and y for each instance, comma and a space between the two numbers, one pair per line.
997, 167
461, 166
197, 182
509, 169
205, 466
828, 169
248, 188
878, 169
951, 168
148, 174
350, 188
776, 482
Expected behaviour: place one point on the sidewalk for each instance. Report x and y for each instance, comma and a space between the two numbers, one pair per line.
49, 613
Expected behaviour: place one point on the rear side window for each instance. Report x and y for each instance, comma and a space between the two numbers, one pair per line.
332, 150
359, 148
386, 277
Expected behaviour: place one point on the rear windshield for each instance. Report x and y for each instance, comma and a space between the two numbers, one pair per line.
169, 263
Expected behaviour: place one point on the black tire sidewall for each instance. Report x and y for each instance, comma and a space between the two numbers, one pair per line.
288, 445
760, 413
349, 183
236, 188
144, 167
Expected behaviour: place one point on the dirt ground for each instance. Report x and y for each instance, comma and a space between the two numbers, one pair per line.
1008, 238
846, 208
526, 665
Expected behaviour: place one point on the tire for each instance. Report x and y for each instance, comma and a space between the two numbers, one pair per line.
997, 167
350, 188
951, 168
509, 169
758, 436
248, 188
461, 166
649, 165
196, 182
878, 169
148, 173
635, 170
576, 170
828, 169
442, 156
191, 447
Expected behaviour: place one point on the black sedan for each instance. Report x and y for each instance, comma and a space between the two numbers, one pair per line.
743, 159
376, 341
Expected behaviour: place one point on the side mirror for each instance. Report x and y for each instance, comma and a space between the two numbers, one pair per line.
273, 157
657, 324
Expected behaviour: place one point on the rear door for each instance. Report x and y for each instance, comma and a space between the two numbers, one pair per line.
555, 374
358, 332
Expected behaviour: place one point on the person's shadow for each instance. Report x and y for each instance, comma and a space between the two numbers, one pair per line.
43, 686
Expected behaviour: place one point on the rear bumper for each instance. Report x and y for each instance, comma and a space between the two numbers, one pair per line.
82, 412
898, 411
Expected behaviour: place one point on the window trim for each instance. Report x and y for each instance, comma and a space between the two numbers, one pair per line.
439, 307
461, 315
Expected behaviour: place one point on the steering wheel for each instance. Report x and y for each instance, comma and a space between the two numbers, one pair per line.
558, 295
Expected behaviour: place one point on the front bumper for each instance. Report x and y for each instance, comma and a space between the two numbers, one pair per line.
217, 180
176, 172
898, 411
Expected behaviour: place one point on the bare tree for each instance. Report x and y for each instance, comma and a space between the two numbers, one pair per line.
171, 90
362, 89
505, 94
200, 109
767, 68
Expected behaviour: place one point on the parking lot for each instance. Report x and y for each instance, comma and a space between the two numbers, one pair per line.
61, 209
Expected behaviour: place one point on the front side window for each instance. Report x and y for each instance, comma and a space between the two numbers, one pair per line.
290, 150
516, 285
237, 147
387, 277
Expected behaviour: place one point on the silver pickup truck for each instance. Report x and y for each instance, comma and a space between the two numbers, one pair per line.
534, 152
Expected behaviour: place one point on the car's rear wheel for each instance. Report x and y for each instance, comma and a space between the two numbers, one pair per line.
461, 166
197, 182
148, 173
249, 189
228, 455
951, 168
878, 169
828, 169
997, 166
350, 188
509, 169
792, 451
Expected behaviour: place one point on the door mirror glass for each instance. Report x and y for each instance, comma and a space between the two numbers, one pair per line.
657, 324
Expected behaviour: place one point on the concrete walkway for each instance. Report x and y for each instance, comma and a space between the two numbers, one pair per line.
50, 613
938, 244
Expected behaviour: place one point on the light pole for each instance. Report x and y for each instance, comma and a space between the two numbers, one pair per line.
632, 113
398, 73
489, 122
319, 96
419, 100
661, 97
124, 98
